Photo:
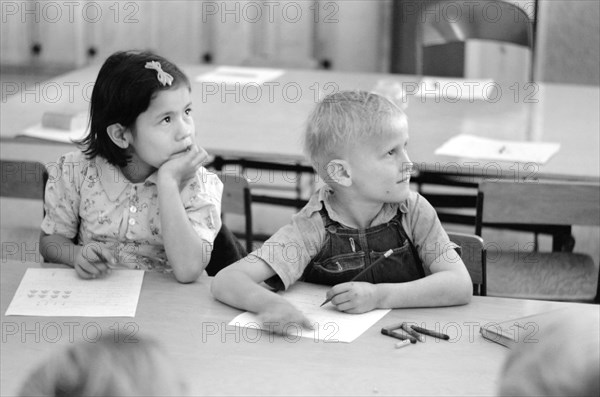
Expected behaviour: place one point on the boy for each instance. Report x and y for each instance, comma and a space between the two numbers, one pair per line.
357, 143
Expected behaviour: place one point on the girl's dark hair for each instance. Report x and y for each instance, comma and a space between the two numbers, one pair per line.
123, 90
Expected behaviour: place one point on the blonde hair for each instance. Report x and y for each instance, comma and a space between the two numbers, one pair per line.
344, 118
112, 366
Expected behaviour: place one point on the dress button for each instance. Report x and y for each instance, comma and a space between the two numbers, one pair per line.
133, 209
132, 222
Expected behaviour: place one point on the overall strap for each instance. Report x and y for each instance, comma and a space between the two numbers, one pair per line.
327, 221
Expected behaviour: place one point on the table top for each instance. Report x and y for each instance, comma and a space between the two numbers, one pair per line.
218, 359
266, 122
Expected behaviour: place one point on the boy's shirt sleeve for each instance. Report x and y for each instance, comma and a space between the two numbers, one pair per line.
63, 195
292, 247
202, 201
425, 230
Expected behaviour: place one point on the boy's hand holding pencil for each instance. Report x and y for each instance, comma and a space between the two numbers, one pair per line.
355, 296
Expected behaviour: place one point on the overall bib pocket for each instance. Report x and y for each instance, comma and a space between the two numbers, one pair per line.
400, 267
336, 269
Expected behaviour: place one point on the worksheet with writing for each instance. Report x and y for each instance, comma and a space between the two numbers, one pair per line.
60, 292
475, 147
330, 324
240, 75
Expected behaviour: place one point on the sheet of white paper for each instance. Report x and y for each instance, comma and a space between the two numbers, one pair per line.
331, 325
455, 89
240, 75
60, 292
52, 134
474, 147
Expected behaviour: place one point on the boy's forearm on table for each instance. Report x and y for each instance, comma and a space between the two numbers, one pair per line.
237, 289
439, 289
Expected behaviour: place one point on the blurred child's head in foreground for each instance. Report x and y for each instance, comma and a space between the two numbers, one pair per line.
114, 365
557, 358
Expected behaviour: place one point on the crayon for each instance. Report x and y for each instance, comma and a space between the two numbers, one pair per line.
402, 344
429, 332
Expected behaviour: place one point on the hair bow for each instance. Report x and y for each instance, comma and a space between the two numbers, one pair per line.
163, 77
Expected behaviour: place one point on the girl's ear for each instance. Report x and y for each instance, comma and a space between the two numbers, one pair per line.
120, 135
339, 172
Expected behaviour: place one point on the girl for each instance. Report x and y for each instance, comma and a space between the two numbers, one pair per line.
137, 194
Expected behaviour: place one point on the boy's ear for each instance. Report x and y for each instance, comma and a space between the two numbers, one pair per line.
338, 171
120, 135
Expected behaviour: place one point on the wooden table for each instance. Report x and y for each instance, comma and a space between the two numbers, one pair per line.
220, 360
266, 122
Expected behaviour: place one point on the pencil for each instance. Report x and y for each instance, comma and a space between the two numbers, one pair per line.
364, 271
429, 332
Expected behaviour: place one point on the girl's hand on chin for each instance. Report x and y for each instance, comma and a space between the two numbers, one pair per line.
183, 166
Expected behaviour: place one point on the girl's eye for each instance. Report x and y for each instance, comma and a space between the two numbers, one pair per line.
167, 119
391, 152
188, 111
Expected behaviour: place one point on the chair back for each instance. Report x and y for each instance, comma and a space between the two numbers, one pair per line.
21, 219
238, 200
555, 207
23, 179
537, 202
473, 255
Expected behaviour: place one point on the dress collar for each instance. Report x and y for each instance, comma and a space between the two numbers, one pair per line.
114, 181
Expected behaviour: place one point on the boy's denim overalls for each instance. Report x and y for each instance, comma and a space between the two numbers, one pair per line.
347, 252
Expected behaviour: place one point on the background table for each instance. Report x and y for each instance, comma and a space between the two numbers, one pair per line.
266, 122
218, 359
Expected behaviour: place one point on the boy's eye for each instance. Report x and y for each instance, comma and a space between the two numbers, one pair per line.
188, 111
167, 119
391, 152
